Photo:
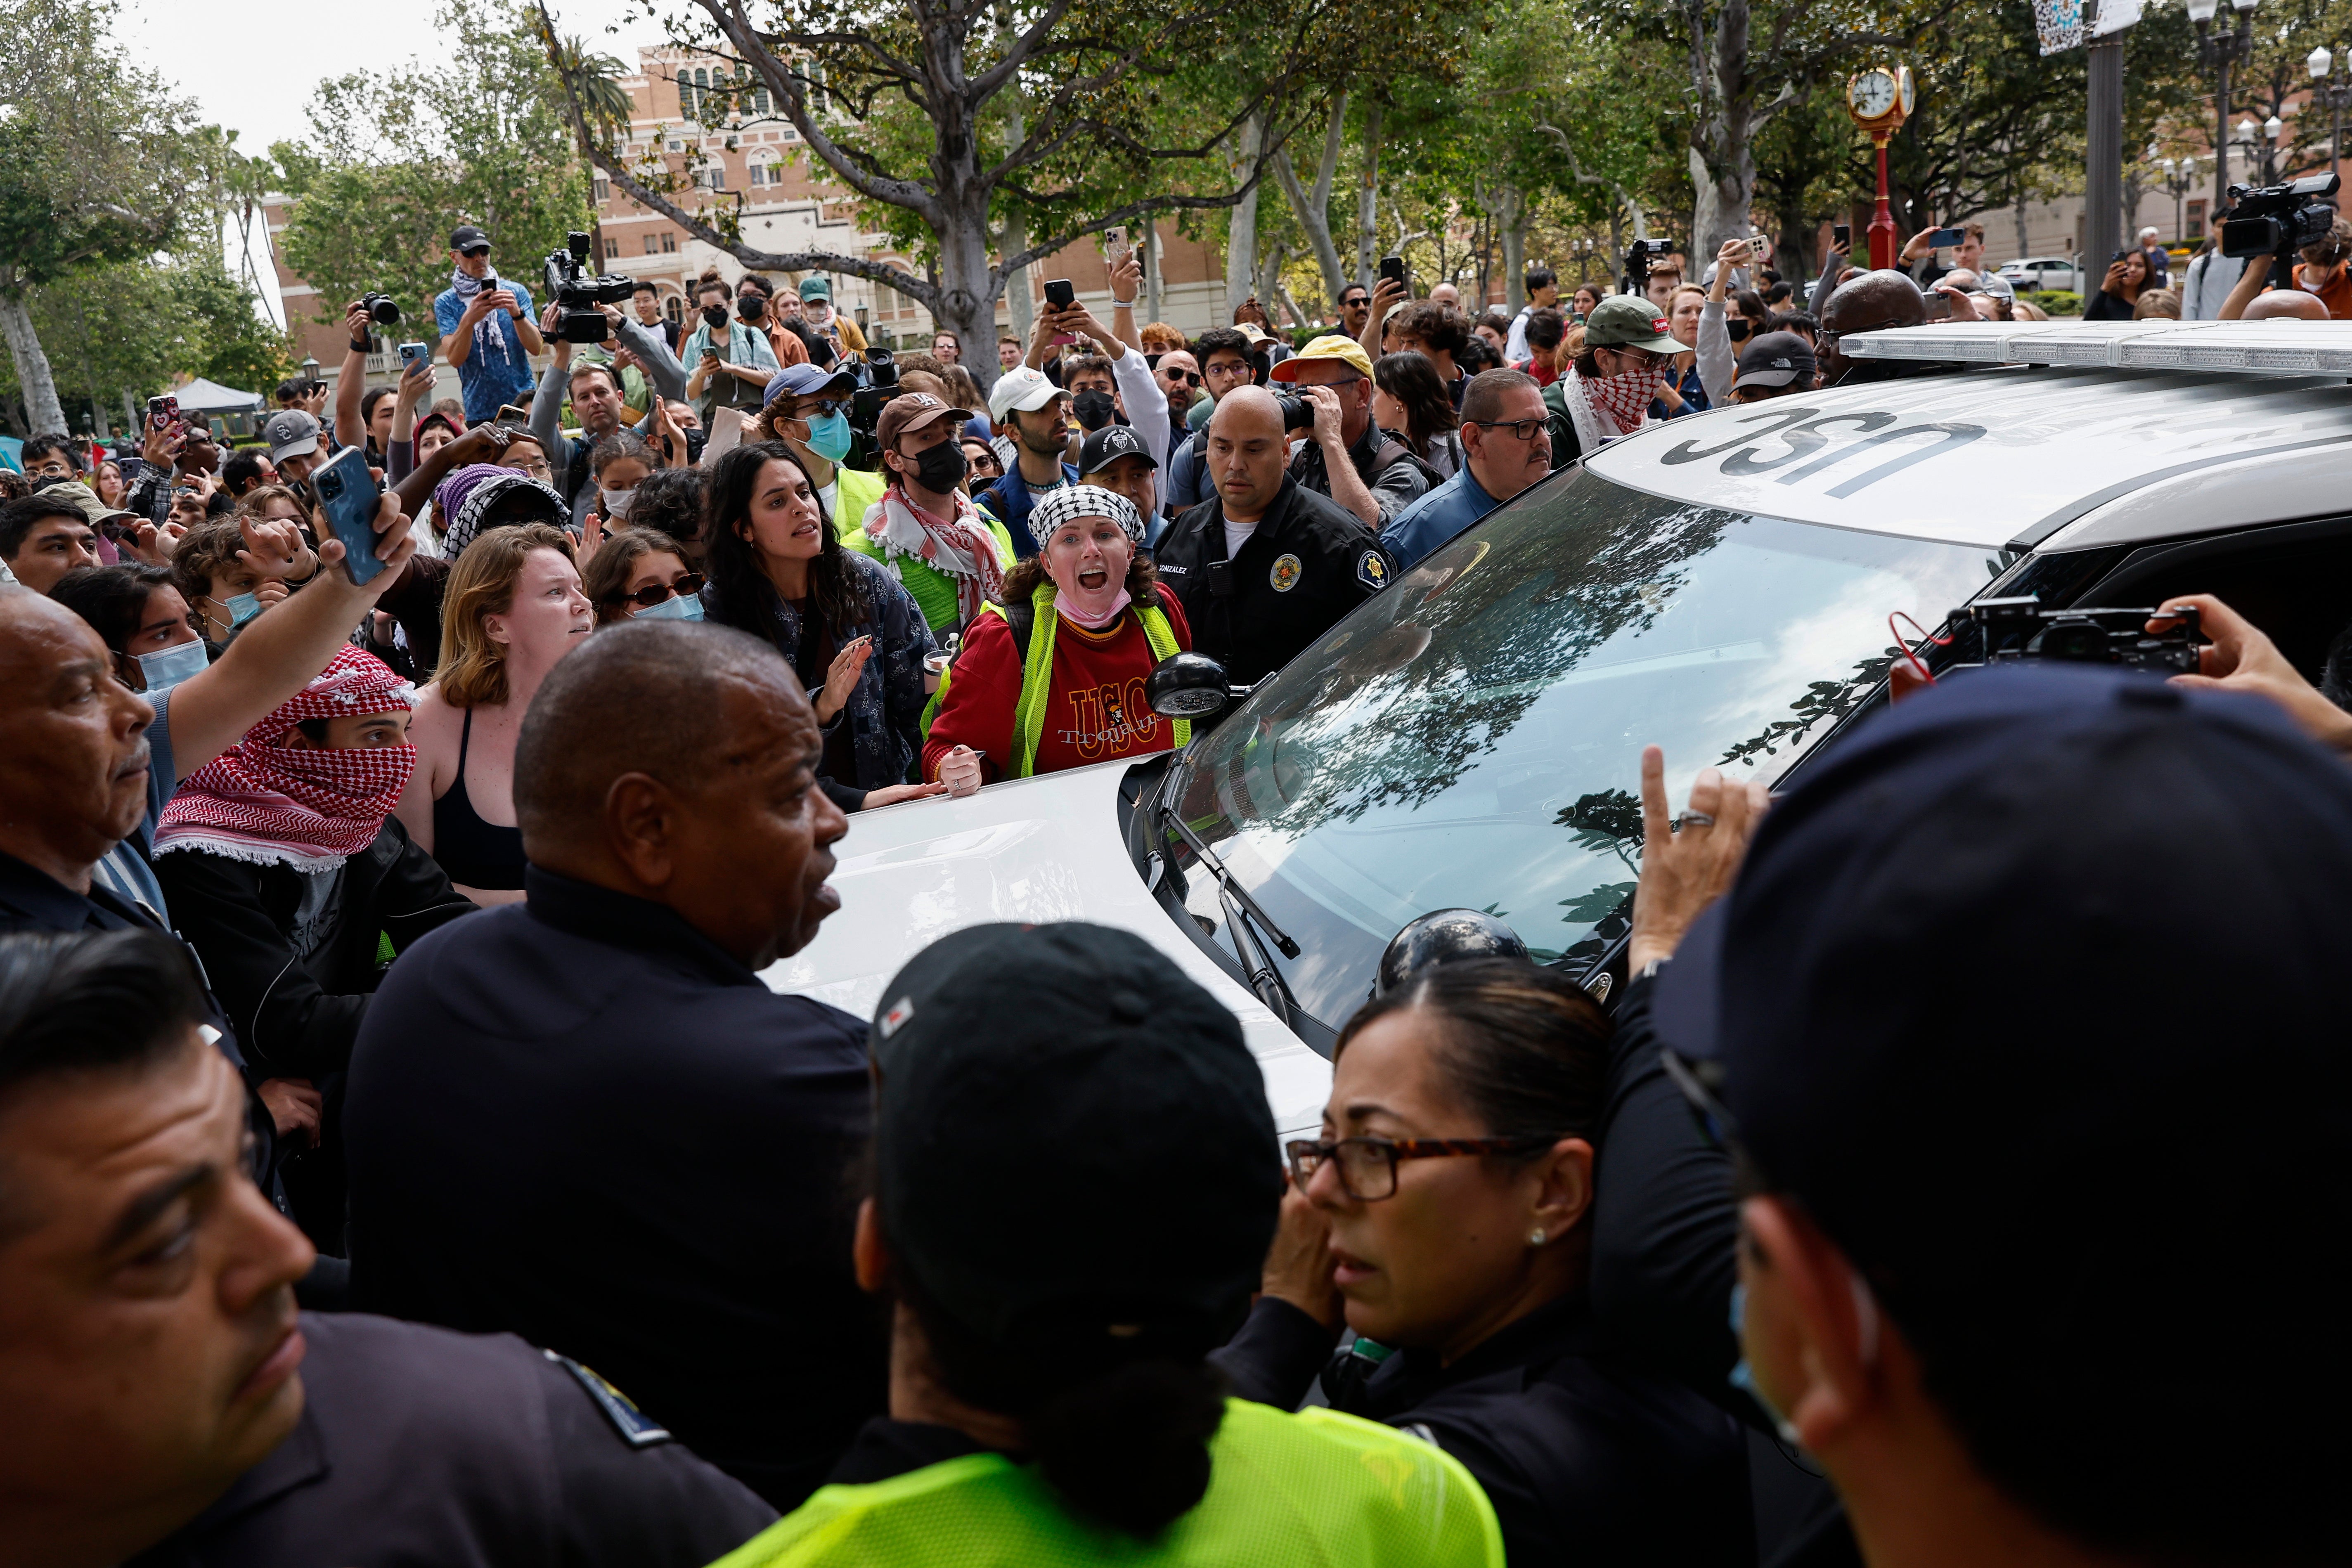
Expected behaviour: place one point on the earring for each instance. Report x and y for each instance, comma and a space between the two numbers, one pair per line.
1536, 1237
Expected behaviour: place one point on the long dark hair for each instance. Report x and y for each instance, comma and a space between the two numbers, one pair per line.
1413, 381
112, 599
746, 599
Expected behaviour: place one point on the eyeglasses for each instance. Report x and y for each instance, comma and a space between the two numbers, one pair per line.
653, 593
1367, 1166
1520, 429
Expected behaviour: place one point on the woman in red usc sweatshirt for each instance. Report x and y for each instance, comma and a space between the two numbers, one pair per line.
1052, 678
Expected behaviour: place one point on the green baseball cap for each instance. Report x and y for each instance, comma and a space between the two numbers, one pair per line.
1630, 321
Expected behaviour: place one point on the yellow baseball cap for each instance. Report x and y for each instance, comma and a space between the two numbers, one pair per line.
1329, 346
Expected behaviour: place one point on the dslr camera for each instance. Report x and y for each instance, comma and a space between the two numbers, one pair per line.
570, 286
381, 310
2272, 219
2018, 629
1298, 414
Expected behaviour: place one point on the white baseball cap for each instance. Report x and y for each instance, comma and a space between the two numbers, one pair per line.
1020, 390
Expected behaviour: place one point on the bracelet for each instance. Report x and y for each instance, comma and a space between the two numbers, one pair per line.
361, 346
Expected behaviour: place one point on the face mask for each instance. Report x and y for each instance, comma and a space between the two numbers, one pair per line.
676, 608
1093, 407
715, 316
817, 311
1743, 1376
941, 467
241, 608
752, 307
615, 503
829, 436
166, 669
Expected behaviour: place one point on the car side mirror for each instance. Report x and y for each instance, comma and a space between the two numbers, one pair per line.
1188, 686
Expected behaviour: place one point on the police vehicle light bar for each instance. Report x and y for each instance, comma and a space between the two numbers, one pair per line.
2242, 348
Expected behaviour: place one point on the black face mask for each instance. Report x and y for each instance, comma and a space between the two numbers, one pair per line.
1094, 408
941, 467
751, 307
716, 315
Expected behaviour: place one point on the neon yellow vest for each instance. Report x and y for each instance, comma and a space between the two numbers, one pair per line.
1302, 1490
1037, 676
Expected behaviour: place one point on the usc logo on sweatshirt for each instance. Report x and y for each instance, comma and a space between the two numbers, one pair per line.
1105, 720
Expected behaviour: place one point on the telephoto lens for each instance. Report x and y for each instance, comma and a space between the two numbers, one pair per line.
1298, 414
381, 310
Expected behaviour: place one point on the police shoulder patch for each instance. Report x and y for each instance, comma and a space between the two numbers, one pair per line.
1285, 576
637, 1428
1372, 570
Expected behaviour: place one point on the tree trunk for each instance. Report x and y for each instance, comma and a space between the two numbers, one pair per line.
1723, 145
1368, 197
42, 410
1513, 222
1241, 235
1017, 283
1723, 197
1314, 207
1152, 312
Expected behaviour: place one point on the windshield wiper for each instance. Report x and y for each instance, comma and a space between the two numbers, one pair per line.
1240, 909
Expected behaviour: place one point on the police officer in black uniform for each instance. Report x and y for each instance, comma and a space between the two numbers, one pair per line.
1263, 567
169, 1406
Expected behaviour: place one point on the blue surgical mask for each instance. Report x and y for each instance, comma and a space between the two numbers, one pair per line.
241, 608
676, 608
166, 669
829, 436
1743, 1376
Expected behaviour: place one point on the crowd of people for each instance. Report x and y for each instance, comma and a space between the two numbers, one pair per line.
403, 1160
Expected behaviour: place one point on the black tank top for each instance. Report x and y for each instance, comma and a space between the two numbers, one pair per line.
475, 854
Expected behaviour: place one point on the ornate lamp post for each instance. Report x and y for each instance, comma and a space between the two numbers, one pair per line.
2217, 52
2336, 90
2180, 179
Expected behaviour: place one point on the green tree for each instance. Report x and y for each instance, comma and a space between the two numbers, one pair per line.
396, 160
94, 169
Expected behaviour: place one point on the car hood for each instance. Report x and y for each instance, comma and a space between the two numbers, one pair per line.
1039, 849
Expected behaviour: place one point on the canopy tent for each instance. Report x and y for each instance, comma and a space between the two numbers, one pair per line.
201, 396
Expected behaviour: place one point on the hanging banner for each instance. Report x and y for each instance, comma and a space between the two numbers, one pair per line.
2115, 15
2059, 23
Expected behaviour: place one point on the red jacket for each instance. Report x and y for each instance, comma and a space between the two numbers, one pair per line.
1094, 709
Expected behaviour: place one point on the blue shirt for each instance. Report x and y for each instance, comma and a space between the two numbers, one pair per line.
1435, 518
1008, 500
497, 369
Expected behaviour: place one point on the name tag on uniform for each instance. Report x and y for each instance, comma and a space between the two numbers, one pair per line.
637, 1428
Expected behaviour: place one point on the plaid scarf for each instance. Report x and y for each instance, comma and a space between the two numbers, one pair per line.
961, 547
283, 806
1624, 399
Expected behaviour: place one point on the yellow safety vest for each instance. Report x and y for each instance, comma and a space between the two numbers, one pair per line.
1286, 1490
1037, 676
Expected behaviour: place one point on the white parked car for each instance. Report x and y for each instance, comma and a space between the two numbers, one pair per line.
2043, 272
1721, 585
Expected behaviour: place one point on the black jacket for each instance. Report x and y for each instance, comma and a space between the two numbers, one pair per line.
1588, 1457
419, 1446
577, 1120
297, 1016
1306, 564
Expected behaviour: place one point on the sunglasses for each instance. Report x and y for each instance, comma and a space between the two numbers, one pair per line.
476, 253
653, 593
1189, 377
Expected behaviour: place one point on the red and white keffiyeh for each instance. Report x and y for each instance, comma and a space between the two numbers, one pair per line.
962, 547
288, 805
1625, 398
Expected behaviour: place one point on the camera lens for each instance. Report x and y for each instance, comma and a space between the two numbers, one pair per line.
330, 484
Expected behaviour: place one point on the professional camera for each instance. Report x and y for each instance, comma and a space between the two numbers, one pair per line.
1298, 414
381, 310
2021, 628
2276, 218
881, 375
579, 295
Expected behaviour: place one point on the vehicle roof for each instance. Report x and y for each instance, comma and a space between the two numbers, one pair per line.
2020, 455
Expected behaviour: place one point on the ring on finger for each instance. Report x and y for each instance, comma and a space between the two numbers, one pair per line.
1693, 819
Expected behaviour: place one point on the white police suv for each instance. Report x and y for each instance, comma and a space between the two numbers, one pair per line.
1724, 585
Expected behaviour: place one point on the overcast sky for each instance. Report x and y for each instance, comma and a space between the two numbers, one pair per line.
252, 67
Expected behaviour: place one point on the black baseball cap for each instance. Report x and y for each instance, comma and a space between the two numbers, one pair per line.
2032, 994
466, 236
1102, 447
1776, 359
1074, 1158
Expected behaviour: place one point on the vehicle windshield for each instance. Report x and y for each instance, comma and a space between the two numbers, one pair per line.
1472, 738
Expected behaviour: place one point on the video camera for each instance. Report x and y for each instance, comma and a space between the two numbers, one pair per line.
880, 385
2276, 219
1639, 257
579, 295
2019, 628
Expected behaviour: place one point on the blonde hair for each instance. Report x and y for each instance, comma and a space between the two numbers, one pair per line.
472, 672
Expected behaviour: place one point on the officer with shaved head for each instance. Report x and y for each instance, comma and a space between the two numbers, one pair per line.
587, 1120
